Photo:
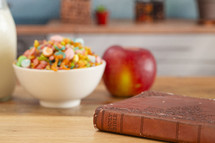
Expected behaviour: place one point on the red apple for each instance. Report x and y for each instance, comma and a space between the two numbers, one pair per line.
128, 71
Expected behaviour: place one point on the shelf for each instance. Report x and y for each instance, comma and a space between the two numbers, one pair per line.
123, 27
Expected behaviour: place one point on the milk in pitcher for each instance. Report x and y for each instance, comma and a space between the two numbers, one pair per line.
7, 52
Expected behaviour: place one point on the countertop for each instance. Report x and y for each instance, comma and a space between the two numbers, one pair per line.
120, 27
24, 120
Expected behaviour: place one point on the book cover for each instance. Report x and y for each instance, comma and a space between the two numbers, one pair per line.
162, 116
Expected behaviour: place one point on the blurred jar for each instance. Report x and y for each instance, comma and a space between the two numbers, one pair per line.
7, 52
144, 11
206, 11
159, 12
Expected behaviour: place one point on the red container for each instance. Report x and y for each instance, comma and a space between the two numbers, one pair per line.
102, 18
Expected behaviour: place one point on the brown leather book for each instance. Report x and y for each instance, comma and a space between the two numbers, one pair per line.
162, 116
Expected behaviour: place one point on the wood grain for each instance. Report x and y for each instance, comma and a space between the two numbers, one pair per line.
56, 129
201, 87
165, 27
24, 104
24, 120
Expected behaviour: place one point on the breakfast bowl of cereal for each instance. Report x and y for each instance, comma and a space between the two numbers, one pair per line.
59, 72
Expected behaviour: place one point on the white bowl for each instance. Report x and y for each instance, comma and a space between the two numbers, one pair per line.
61, 89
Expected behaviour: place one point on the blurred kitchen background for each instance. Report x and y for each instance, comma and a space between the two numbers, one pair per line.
181, 38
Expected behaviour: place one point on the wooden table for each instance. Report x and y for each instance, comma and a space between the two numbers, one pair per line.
24, 120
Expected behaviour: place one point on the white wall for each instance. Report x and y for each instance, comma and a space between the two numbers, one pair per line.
176, 55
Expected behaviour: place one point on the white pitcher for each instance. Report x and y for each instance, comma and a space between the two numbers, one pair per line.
8, 45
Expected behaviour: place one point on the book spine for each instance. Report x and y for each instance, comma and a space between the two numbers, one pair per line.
130, 124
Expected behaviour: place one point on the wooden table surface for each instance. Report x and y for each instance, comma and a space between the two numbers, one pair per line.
24, 120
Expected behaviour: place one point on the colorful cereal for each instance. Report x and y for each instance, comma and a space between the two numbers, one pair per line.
58, 53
